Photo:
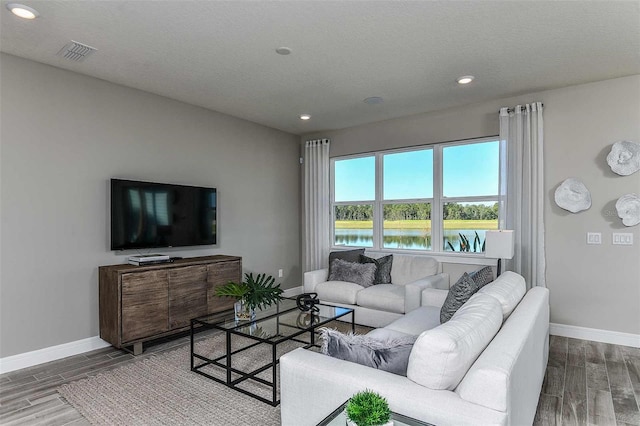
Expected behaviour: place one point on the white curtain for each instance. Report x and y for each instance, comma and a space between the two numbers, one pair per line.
316, 204
521, 136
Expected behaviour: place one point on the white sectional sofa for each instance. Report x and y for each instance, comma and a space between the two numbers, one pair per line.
380, 304
459, 372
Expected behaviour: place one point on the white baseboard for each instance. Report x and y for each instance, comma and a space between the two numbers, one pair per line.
596, 335
29, 359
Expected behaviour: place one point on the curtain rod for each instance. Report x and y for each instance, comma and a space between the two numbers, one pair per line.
514, 110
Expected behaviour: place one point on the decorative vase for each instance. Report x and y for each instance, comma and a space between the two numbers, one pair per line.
242, 311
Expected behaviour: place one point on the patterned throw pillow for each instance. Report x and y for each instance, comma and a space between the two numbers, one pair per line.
346, 255
358, 273
482, 276
383, 268
458, 295
387, 355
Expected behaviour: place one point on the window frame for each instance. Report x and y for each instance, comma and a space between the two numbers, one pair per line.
437, 201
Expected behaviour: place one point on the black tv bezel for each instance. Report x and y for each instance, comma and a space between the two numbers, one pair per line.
160, 184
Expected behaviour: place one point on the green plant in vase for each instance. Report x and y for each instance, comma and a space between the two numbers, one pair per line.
465, 245
253, 293
367, 408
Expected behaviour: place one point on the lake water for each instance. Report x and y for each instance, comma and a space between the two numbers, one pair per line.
413, 239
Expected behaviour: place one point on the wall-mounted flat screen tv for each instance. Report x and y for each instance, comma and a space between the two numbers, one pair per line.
151, 215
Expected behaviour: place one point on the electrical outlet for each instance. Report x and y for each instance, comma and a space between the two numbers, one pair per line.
280, 273
594, 238
622, 239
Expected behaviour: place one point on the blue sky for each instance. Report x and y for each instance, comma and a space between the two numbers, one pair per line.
468, 170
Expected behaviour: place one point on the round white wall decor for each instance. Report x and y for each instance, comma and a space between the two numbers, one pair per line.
573, 195
628, 207
624, 158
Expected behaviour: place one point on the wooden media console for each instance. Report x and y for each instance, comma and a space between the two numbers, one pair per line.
141, 303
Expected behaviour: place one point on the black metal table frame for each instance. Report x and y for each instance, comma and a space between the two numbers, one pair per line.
200, 324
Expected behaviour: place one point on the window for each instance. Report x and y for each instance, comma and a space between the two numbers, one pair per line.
408, 195
440, 197
354, 196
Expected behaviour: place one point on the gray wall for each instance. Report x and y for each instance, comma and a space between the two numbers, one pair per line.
64, 135
590, 286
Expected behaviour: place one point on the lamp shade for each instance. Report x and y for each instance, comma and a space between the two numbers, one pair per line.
499, 244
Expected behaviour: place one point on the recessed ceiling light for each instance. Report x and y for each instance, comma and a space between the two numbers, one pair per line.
283, 51
305, 116
373, 100
23, 11
465, 79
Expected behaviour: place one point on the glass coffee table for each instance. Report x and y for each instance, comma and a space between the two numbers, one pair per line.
339, 418
277, 328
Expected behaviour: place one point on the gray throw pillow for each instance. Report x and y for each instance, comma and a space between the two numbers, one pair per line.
482, 276
458, 295
358, 273
387, 355
346, 255
383, 268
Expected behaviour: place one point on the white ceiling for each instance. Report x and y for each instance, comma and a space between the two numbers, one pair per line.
221, 54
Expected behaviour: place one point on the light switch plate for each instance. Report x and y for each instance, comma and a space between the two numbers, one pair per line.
622, 239
594, 238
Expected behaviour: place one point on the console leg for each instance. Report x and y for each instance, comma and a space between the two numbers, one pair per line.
137, 348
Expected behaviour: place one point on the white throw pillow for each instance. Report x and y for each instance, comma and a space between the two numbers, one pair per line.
509, 288
441, 356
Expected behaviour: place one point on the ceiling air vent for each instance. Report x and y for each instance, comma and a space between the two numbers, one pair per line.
75, 51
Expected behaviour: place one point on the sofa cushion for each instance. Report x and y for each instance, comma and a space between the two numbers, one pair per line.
441, 356
359, 273
482, 276
407, 268
417, 321
386, 334
508, 288
387, 355
346, 255
383, 268
338, 292
384, 297
458, 295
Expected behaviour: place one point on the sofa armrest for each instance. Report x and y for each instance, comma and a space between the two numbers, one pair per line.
313, 385
413, 290
313, 278
433, 297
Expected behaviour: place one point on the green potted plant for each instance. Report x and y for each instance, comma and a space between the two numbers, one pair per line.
368, 408
251, 294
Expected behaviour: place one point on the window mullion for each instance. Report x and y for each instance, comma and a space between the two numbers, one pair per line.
436, 207
378, 209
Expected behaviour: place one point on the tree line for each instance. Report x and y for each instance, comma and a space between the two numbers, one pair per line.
418, 211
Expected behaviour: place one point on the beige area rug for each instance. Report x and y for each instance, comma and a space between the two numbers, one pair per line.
162, 390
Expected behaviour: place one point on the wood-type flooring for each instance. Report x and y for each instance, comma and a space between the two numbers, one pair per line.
586, 383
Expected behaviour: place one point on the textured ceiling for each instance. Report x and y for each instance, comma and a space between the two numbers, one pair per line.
221, 54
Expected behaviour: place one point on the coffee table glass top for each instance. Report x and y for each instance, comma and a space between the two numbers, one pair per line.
339, 418
227, 321
278, 321
289, 323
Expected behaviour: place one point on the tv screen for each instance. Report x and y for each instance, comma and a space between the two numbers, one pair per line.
150, 215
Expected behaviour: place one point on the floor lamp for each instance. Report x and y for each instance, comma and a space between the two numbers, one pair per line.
499, 245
